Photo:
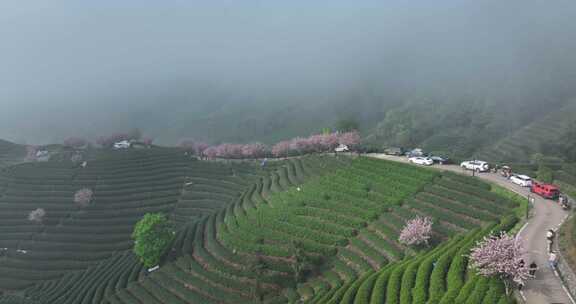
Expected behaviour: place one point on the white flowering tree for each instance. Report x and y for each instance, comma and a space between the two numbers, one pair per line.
37, 215
501, 256
416, 231
83, 197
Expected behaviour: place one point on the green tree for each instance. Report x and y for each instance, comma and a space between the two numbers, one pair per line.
152, 236
347, 125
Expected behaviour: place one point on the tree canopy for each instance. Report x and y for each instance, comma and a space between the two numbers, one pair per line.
152, 236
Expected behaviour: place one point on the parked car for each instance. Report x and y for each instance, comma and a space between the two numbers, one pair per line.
521, 180
415, 153
476, 165
122, 145
545, 190
394, 151
419, 160
341, 148
440, 160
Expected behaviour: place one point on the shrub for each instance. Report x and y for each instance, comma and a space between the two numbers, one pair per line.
36, 215
152, 235
83, 197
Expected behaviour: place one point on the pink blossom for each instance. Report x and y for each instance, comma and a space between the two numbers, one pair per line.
329, 141
37, 215
147, 140
83, 197
211, 152
255, 150
199, 148
31, 152
349, 138
281, 149
500, 255
416, 231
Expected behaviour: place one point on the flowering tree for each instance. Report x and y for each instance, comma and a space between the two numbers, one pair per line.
211, 152
281, 149
83, 197
147, 140
349, 139
75, 142
36, 215
500, 255
255, 150
330, 141
31, 153
416, 231
200, 147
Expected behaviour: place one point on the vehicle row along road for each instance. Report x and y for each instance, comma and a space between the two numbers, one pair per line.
547, 287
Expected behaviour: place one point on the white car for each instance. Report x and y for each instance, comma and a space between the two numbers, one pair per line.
341, 148
421, 160
475, 165
521, 180
122, 145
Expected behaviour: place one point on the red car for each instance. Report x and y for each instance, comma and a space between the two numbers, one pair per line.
548, 191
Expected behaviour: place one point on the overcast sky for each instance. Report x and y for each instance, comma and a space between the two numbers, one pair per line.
64, 59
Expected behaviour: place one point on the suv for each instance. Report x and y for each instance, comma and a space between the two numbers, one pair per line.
476, 165
521, 180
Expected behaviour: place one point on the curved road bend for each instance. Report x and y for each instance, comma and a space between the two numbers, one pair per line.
546, 288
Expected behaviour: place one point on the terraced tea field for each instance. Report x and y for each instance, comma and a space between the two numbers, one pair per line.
298, 229
11, 153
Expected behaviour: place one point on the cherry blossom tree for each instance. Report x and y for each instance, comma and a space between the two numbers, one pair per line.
211, 152
83, 197
200, 147
255, 150
416, 231
330, 141
37, 215
31, 153
147, 140
281, 149
349, 139
500, 255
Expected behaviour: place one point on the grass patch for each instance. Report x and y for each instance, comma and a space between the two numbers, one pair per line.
567, 241
523, 206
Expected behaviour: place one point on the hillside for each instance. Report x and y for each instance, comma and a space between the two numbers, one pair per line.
244, 230
125, 186
10, 153
544, 135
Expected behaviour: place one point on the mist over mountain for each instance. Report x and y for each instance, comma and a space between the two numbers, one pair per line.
255, 71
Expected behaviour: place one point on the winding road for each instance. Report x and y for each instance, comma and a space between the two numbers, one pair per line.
546, 288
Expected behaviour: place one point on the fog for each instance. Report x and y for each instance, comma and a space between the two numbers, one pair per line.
89, 67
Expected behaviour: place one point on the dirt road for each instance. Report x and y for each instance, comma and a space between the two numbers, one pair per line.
547, 287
